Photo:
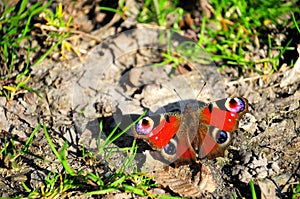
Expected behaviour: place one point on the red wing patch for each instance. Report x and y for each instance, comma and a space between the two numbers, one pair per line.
161, 135
221, 119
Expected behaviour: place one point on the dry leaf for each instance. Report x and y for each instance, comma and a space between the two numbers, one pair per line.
192, 180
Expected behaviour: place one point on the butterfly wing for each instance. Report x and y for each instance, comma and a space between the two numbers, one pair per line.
157, 130
184, 137
170, 135
217, 121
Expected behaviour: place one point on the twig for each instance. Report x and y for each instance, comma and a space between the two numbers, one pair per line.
65, 29
244, 80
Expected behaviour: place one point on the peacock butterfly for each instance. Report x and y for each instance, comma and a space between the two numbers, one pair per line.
193, 134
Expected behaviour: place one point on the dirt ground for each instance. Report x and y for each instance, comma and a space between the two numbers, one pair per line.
114, 75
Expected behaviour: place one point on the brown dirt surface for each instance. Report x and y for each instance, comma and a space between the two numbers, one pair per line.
113, 74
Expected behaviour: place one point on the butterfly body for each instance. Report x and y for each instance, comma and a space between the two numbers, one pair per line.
193, 134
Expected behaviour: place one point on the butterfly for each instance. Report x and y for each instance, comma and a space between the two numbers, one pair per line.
192, 134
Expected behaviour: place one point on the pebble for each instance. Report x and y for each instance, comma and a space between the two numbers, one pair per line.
255, 166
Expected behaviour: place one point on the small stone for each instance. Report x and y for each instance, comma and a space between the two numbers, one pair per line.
251, 166
134, 76
275, 167
247, 157
260, 162
261, 172
245, 176
270, 172
252, 172
238, 169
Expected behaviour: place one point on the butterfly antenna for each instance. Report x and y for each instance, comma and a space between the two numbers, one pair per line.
175, 91
201, 90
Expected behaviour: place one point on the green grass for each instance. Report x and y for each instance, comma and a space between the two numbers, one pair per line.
243, 23
237, 25
158, 11
233, 27
252, 188
16, 26
71, 179
296, 191
120, 10
85, 181
152, 11
10, 152
19, 27
183, 56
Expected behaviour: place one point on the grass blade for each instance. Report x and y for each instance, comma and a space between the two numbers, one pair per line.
30, 139
62, 156
251, 183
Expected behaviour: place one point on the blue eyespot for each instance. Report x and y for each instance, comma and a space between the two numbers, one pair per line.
171, 148
221, 137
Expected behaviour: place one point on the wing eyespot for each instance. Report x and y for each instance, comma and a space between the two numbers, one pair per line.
144, 126
235, 105
220, 136
171, 148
